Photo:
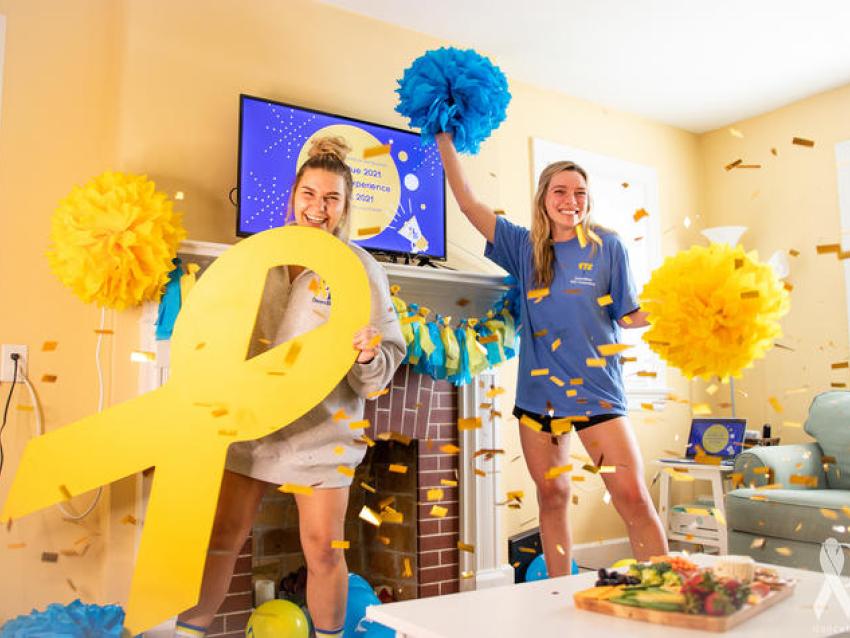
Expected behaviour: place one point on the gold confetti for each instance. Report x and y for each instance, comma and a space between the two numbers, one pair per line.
292, 353
608, 349
498, 212
359, 425
16, 545
528, 550
368, 487
439, 511
577, 478
576, 381
830, 514
571, 393
560, 549
407, 572
806, 480
595, 363
750, 294
783, 551
49, 557
370, 516
373, 151
538, 293
434, 494
202, 344
368, 230
554, 472
556, 344
449, 448
448, 482
775, 404
762, 469
604, 300
345, 471
757, 543
65, 492
481, 473
558, 382
732, 165
582, 240
293, 488
627, 320
802, 141
49, 346
640, 213
383, 539
846, 510
562, 425
369, 442
340, 544
100, 331
492, 393
139, 356
528, 422
735, 133
24, 408
712, 389
48, 378
339, 450
647, 373
377, 393
340, 415
467, 574
471, 423
823, 249
540, 372
607, 469
840, 364
466, 547
398, 468
625, 184
129, 519
648, 406
219, 412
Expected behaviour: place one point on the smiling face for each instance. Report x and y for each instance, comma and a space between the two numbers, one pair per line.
319, 199
566, 203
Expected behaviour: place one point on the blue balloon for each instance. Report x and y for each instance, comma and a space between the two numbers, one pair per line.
537, 569
360, 596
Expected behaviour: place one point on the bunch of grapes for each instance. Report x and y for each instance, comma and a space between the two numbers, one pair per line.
615, 578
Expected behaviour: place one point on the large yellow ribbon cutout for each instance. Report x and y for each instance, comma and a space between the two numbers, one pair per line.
214, 396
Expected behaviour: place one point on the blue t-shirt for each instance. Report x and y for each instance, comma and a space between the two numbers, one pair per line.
572, 314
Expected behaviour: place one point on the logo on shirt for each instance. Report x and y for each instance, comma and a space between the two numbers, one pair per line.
583, 281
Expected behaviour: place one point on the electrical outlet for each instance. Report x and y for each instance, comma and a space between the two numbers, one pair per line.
8, 365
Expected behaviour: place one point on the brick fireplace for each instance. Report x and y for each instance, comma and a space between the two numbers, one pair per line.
409, 424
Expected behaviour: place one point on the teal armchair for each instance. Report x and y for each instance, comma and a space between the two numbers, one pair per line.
793, 497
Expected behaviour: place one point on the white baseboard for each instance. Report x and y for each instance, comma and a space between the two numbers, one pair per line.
601, 553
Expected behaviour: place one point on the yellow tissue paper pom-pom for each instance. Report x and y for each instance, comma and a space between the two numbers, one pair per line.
713, 310
113, 240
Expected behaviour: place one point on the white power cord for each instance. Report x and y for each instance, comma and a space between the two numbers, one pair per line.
39, 419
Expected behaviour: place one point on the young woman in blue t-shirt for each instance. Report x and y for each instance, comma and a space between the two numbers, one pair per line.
581, 295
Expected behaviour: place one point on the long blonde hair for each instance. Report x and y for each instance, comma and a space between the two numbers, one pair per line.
327, 153
542, 249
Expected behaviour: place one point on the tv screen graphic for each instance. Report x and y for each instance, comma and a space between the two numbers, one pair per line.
398, 200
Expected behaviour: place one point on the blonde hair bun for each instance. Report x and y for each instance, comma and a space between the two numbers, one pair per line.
334, 146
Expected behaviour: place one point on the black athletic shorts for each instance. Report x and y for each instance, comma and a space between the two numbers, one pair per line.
546, 421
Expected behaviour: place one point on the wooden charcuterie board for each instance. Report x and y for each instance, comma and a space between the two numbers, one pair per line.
680, 619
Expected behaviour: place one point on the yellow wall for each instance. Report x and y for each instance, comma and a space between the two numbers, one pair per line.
152, 86
789, 203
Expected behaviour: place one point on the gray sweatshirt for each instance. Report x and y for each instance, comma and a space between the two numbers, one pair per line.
309, 450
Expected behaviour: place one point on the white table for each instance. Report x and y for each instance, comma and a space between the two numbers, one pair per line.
715, 475
545, 608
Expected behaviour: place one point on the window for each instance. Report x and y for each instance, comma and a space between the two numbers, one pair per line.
617, 190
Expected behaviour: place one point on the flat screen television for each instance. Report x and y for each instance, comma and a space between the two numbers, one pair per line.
398, 200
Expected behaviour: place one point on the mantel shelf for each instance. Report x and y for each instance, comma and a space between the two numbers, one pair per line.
438, 289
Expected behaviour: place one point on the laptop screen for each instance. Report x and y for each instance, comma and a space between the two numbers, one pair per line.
717, 437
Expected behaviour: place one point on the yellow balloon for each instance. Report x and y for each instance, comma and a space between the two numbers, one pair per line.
277, 619
213, 397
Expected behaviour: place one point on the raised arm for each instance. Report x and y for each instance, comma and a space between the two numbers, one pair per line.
480, 215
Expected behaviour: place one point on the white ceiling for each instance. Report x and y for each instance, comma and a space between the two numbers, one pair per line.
694, 64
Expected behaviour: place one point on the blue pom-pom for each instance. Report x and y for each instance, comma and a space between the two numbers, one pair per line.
455, 91
69, 621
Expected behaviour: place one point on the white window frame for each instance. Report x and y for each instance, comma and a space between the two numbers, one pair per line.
614, 206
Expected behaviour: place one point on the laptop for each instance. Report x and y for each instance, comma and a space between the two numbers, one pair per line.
721, 438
